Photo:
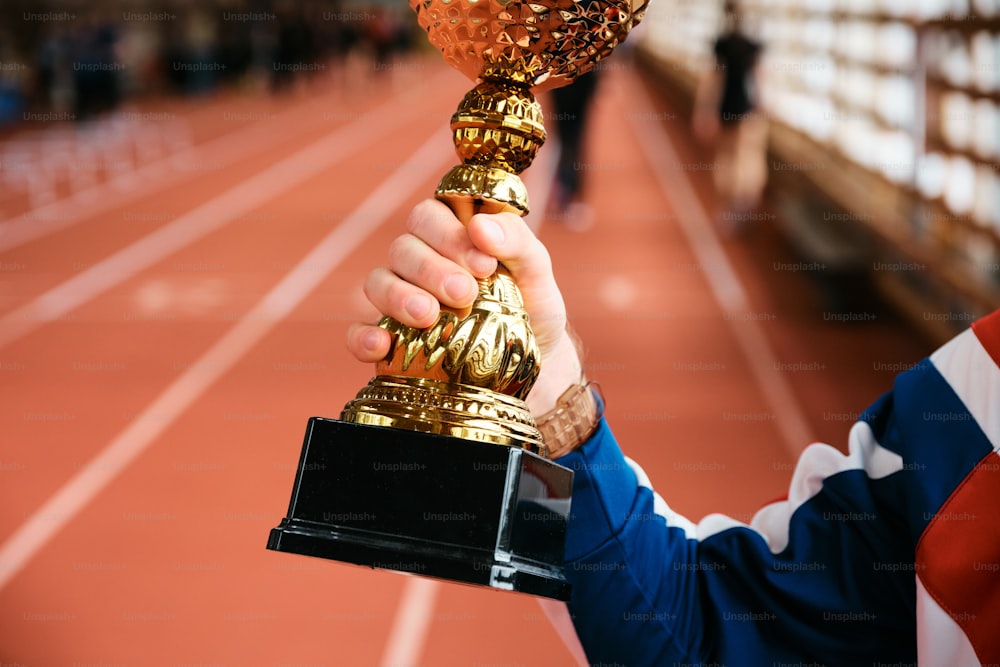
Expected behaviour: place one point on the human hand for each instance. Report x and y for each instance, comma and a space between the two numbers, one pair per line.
437, 261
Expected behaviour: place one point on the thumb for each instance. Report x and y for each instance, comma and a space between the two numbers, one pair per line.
508, 238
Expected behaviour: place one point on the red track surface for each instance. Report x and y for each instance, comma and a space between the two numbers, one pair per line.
161, 559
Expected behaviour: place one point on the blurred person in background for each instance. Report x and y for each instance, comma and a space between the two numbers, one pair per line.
14, 82
97, 68
387, 37
570, 106
192, 53
886, 555
726, 117
295, 52
54, 70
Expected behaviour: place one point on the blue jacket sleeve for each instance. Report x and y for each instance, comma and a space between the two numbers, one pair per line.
650, 588
824, 577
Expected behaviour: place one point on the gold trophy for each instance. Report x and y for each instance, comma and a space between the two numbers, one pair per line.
436, 467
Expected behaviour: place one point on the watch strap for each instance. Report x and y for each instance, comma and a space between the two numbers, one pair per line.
572, 421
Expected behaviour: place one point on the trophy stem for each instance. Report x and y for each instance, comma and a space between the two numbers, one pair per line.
497, 130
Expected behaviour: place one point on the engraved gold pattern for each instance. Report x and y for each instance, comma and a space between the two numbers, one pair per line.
490, 347
470, 181
498, 124
430, 406
548, 43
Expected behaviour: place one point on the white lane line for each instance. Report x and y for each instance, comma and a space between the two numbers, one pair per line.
411, 623
70, 500
558, 614
157, 176
197, 223
700, 233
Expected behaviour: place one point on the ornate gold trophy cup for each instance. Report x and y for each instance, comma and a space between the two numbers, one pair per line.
437, 467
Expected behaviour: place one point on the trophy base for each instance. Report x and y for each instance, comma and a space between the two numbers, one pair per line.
432, 505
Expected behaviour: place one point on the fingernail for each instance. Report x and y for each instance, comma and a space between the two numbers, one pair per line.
418, 306
458, 286
371, 340
493, 232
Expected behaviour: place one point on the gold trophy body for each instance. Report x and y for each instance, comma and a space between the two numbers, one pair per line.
437, 467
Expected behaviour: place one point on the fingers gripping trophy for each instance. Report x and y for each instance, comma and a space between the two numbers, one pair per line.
437, 467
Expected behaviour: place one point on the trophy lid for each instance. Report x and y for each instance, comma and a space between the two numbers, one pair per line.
545, 43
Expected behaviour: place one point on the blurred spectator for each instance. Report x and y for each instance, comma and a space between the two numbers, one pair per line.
388, 35
85, 63
96, 69
570, 109
295, 52
197, 57
726, 117
12, 81
236, 49
54, 70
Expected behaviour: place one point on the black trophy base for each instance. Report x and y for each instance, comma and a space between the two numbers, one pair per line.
432, 505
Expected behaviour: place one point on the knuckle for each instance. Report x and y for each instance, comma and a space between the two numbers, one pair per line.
414, 220
425, 271
423, 211
399, 249
396, 296
369, 287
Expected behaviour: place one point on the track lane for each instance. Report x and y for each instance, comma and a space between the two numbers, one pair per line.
174, 308
214, 132
225, 353
157, 507
190, 294
197, 181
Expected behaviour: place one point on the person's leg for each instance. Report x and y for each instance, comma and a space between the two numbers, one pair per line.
723, 172
750, 164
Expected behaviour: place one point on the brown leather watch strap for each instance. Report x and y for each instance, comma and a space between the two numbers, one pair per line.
571, 422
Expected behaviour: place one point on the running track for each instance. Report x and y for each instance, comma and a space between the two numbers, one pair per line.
166, 331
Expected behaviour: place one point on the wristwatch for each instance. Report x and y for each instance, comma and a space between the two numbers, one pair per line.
572, 421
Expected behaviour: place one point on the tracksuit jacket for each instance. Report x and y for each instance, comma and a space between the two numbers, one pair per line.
886, 556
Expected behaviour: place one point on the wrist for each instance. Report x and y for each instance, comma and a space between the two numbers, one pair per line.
564, 404
561, 368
